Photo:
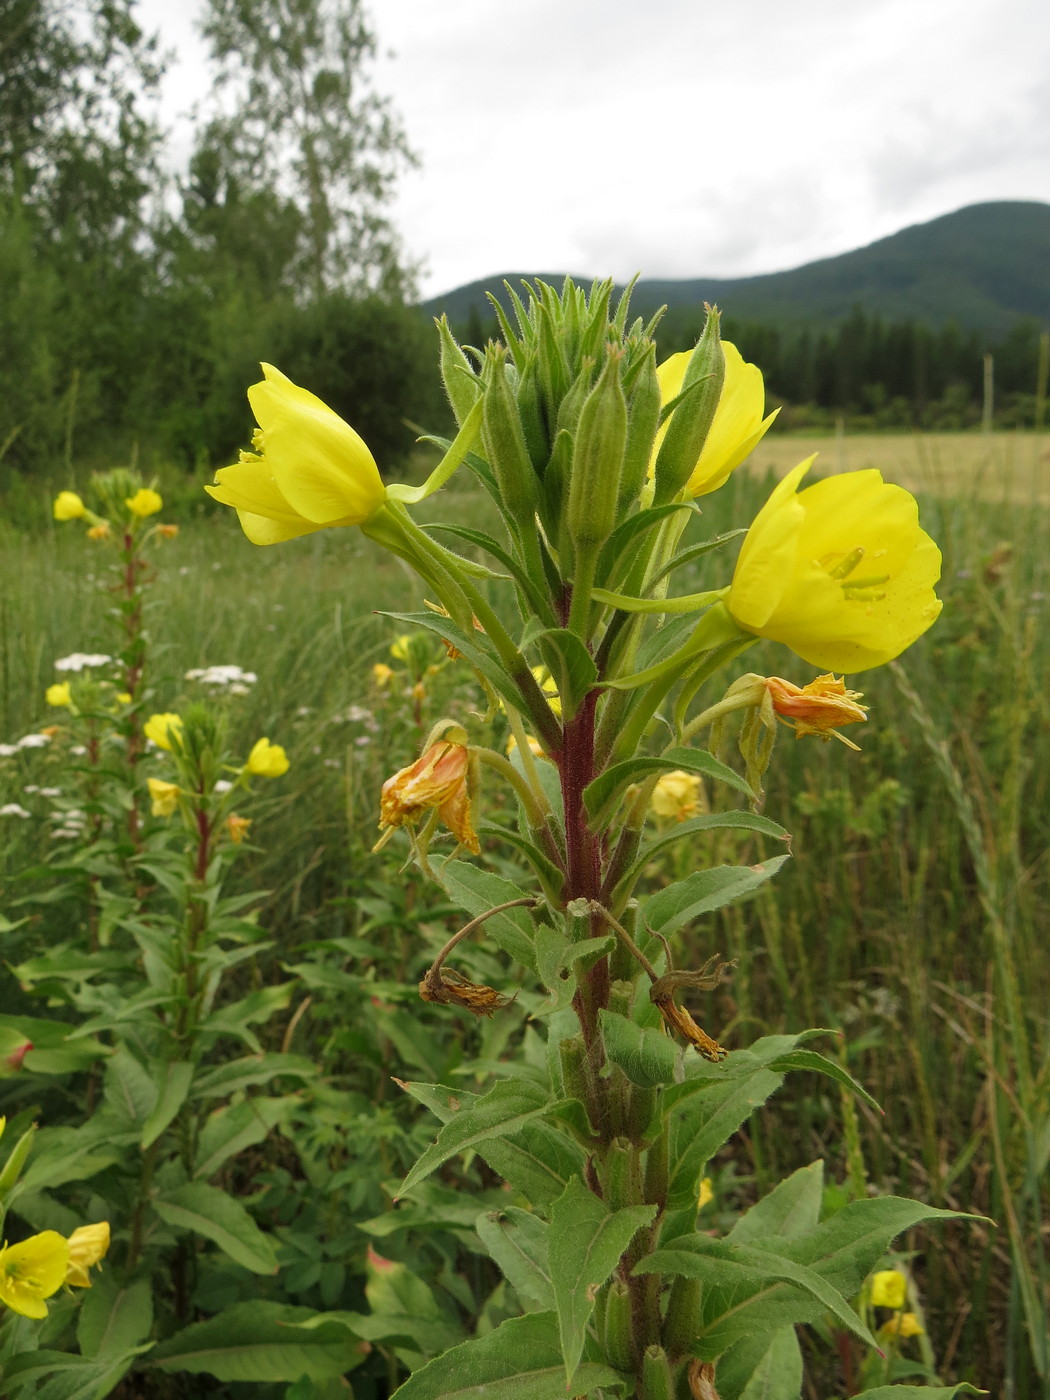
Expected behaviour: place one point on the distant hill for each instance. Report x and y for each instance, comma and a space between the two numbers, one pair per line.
986, 267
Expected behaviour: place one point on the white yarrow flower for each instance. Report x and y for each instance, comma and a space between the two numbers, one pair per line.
34, 741
14, 809
82, 661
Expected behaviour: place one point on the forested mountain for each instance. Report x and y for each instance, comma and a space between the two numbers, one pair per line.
984, 267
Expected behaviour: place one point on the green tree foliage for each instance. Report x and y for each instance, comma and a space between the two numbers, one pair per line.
305, 122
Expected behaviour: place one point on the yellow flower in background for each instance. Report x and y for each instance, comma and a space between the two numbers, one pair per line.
164, 797
124, 696
161, 728
310, 469
144, 502
737, 427
677, 796
382, 674
819, 708
101, 531
903, 1325
267, 760
707, 1193
58, 694
889, 1289
399, 647
842, 573
168, 532
68, 506
535, 747
237, 827
32, 1271
437, 779
87, 1246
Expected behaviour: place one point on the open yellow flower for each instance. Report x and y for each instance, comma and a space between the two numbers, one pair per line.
58, 694
32, 1271
87, 1246
144, 502
737, 427
267, 760
437, 779
889, 1289
310, 470
677, 796
68, 506
164, 797
161, 729
842, 573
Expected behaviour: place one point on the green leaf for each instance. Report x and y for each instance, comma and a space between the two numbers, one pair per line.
820, 1064
704, 891
477, 652
537, 1162
69, 1154
740, 820
570, 664
647, 1057
218, 1217
65, 1376
791, 1209
175, 1080
129, 1087
517, 1241
585, 1244
230, 1130
621, 548
500, 1112
261, 1341
478, 891
493, 547
918, 1392
748, 1275
601, 796
114, 1318
236, 1075
455, 453
766, 1366
520, 1360
686, 603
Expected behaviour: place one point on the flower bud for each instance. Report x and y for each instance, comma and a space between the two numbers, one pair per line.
693, 415
504, 442
683, 1316
657, 1381
643, 419
618, 1338
597, 460
457, 374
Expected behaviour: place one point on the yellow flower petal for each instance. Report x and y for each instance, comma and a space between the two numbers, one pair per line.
267, 760
144, 502
58, 694
161, 728
889, 1289
164, 797
87, 1247
842, 573
68, 506
32, 1271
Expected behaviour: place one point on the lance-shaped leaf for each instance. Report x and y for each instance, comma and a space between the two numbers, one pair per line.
749, 1276
506, 1107
517, 1240
704, 891
478, 891
647, 1057
175, 1081
708, 821
262, 1341
570, 664
601, 796
218, 1217
791, 1209
765, 1366
919, 1392
585, 1244
520, 1360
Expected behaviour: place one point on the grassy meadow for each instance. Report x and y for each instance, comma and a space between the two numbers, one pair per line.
913, 916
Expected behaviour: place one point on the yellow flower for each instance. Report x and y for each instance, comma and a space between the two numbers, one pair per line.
124, 697
437, 779
144, 502
310, 470
903, 1325
817, 708
267, 760
68, 506
164, 797
841, 573
58, 694
677, 795
535, 747
32, 1271
399, 647
889, 1289
382, 674
87, 1246
162, 728
737, 427
237, 827
706, 1193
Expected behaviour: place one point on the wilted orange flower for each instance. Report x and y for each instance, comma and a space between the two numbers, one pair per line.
167, 532
101, 531
237, 827
817, 708
450, 988
437, 779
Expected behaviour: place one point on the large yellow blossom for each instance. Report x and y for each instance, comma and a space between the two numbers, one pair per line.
162, 728
145, 502
842, 573
68, 506
737, 427
310, 470
163, 796
267, 760
32, 1271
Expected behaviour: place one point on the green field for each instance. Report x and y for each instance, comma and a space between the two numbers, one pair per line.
919, 883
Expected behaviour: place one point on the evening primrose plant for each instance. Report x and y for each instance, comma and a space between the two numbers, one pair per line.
611, 682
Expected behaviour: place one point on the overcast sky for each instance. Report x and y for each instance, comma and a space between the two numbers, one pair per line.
685, 138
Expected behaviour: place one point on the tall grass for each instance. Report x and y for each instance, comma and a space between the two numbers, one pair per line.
914, 916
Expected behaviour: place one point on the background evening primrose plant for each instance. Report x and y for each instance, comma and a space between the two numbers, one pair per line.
593, 463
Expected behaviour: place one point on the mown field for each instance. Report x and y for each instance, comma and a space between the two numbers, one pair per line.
913, 916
